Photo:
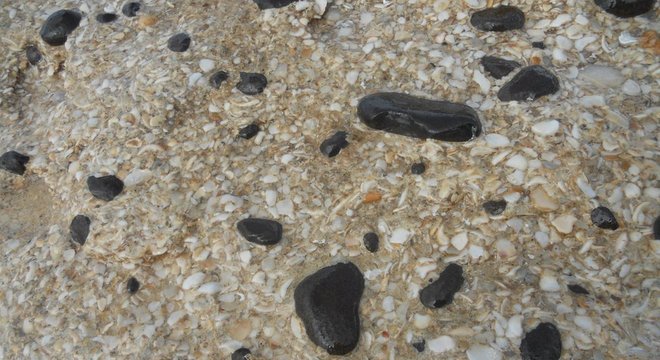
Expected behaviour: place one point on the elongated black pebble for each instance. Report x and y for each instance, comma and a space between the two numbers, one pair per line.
441, 292
59, 25
530, 83
14, 162
626, 8
499, 18
260, 231
273, 4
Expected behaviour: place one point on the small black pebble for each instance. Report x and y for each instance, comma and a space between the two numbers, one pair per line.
130, 9
59, 25
656, 228
331, 146
499, 18
542, 343
530, 83
260, 231
538, 44
105, 187
626, 8
106, 18
578, 289
249, 131
441, 292
33, 54
495, 207
252, 83
498, 67
14, 162
418, 168
241, 354
604, 218
179, 42
273, 4
218, 78
371, 241
79, 229
419, 345
133, 285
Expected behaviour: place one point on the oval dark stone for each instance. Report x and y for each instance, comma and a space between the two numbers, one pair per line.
331, 146
577, 289
327, 302
418, 168
133, 285
105, 187
218, 78
14, 162
260, 231
59, 25
130, 9
498, 67
494, 207
252, 83
626, 8
419, 345
273, 4
371, 241
538, 44
542, 343
530, 83
499, 18
441, 292
604, 218
104, 18
33, 54
79, 229
179, 42
241, 354
249, 131
656, 228
421, 118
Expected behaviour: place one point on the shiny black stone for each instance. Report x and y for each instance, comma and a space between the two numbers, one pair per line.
371, 241
179, 42
105, 187
331, 146
218, 78
104, 18
249, 131
418, 168
578, 289
79, 229
260, 231
133, 285
33, 54
241, 354
252, 83
499, 18
273, 4
441, 292
327, 302
418, 117
498, 67
530, 83
604, 218
542, 343
59, 25
14, 162
494, 207
130, 9
626, 8
419, 345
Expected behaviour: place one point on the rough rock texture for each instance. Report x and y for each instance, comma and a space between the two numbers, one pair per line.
14, 162
542, 343
252, 83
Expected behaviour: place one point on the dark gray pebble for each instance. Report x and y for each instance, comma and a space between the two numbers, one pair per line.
14, 162
133, 285
218, 78
130, 9
105, 187
577, 289
419, 345
604, 218
260, 231
494, 207
538, 45
79, 229
371, 241
33, 54
418, 168
249, 131
542, 343
331, 146
626, 8
272, 4
104, 18
441, 292
59, 25
252, 83
498, 67
179, 42
241, 354
499, 18
530, 83
656, 228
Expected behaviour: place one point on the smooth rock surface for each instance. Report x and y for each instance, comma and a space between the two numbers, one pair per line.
498, 67
248, 131
14, 162
499, 18
33, 54
331, 146
179, 42
530, 83
441, 292
604, 218
626, 8
79, 229
133, 285
130, 9
59, 25
105, 187
327, 302
252, 83
260, 231
577, 289
542, 343
273, 4
371, 241
421, 118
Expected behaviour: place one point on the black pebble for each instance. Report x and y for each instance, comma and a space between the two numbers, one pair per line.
499, 18
218, 78
418, 168
441, 292
133, 285
79, 229
419, 345
14, 162
252, 83
542, 343
604, 218
626, 8
105, 187
578, 289
130, 9
249, 131
331, 146
106, 17
273, 4
530, 83
33, 54
370, 240
260, 231
538, 44
498, 67
179, 42
494, 207
241, 354
656, 228
327, 302
59, 25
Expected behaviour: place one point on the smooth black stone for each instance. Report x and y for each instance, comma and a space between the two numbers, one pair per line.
79, 229
14, 162
33, 54
604, 218
538, 44
106, 18
59, 25
421, 118
371, 241
105, 187
218, 78
499, 18
656, 228
498, 67
249, 131
530, 83
494, 207
575, 288
252, 83
418, 168
260, 231
133, 285
130, 9
441, 292
327, 302
179, 42
331, 146
626, 8
241, 354
542, 343
419, 345
273, 4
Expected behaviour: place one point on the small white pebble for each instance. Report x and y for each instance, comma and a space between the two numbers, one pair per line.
517, 162
475, 251
175, 317
421, 321
564, 223
441, 344
479, 78
514, 327
206, 65
352, 76
210, 288
580, 44
400, 236
459, 241
546, 128
193, 280
388, 303
542, 238
497, 140
592, 100
483, 352
630, 87
631, 190
584, 322
549, 283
